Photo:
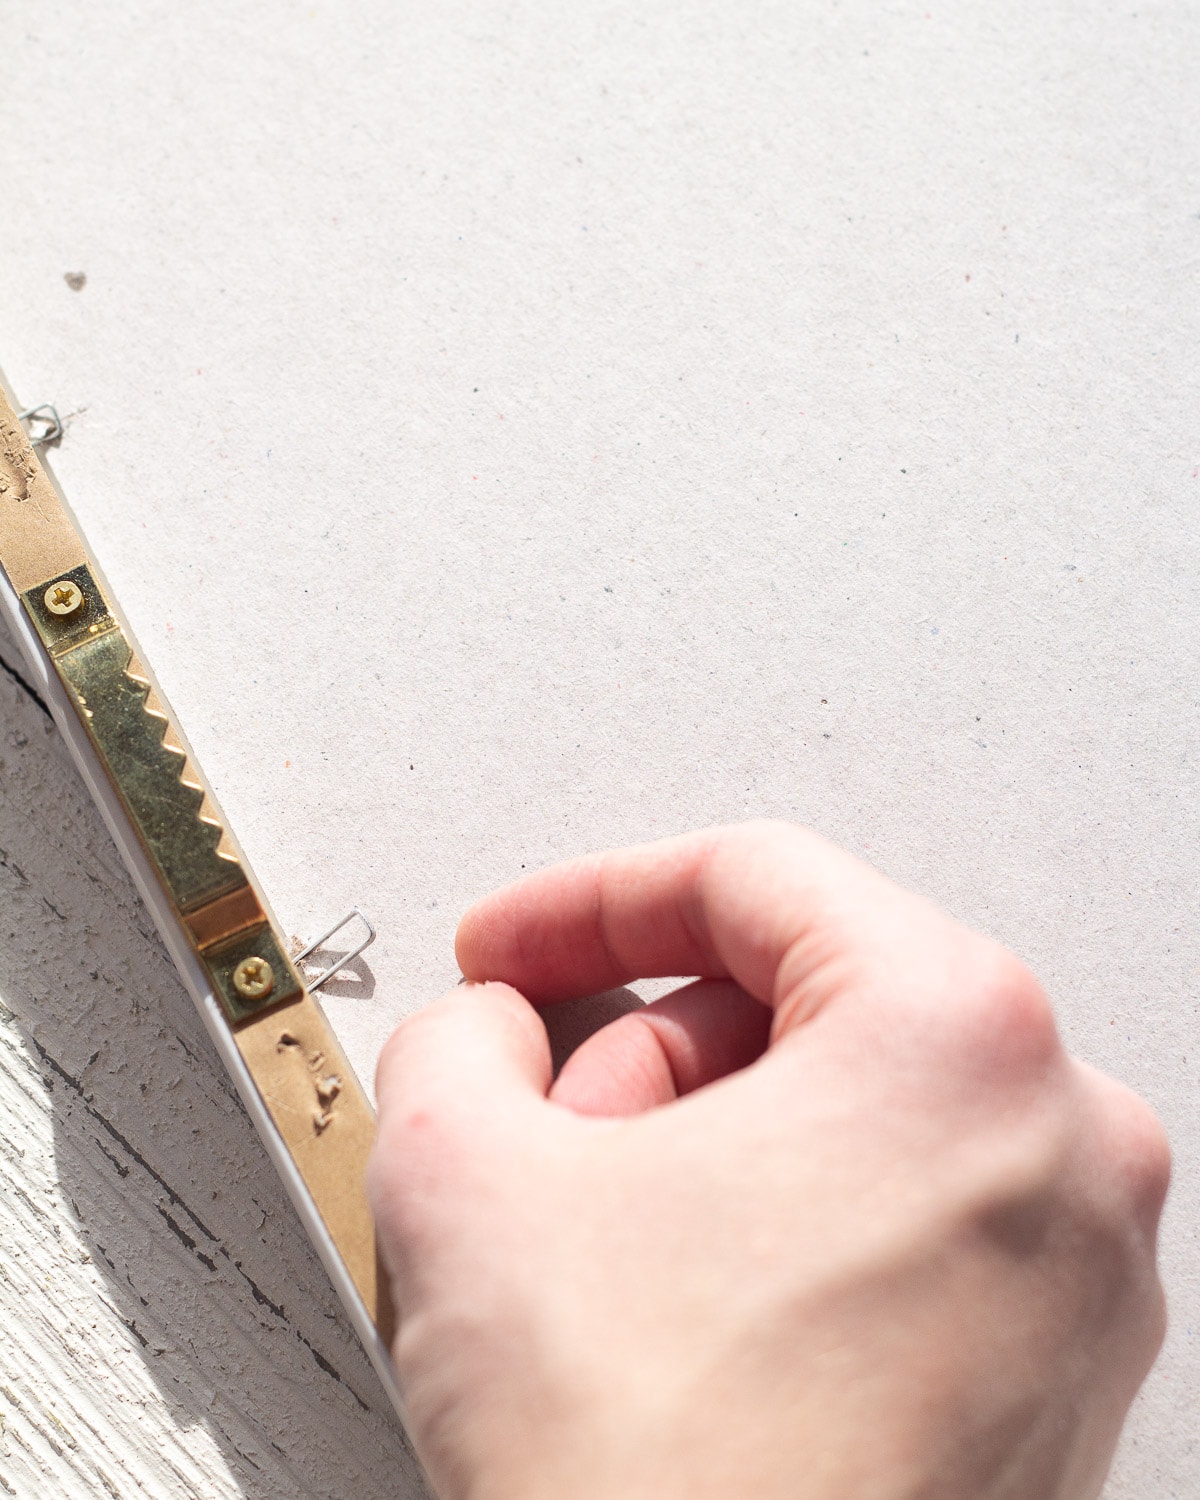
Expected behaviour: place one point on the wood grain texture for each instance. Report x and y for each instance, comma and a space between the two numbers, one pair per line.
165, 1327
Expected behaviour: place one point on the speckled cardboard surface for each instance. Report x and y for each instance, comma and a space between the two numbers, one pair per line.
513, 430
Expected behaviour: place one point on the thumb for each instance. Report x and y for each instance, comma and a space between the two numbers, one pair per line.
474, 1048
458, 1086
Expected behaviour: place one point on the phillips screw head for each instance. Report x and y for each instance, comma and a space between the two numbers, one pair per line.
254, 979
63, 598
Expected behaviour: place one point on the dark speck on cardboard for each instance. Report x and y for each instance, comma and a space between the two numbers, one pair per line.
76, 280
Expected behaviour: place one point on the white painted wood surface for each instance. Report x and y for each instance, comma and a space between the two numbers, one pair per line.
165, 1327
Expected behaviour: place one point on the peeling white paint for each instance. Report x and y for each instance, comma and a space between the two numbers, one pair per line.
165, 1327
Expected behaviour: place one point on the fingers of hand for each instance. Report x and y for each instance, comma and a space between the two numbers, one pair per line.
479, 1046
594, 923
678, 1043
459, 1085
1121, 1184
1134, 1145
766, 904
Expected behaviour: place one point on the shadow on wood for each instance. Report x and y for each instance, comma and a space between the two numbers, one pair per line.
170, 1331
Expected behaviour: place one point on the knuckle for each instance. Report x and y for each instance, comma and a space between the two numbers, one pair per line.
1153, 1161
1142, 1151
758, 834
769, 827
1156, 1321
1006, 1014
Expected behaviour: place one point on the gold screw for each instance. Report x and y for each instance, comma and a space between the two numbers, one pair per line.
63, 598
254, 979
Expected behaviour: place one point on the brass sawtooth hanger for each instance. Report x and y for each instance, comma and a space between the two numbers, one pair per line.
201, 889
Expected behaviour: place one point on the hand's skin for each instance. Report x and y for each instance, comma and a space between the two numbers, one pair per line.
906, 1254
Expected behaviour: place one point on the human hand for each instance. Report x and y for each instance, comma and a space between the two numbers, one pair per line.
907, 1250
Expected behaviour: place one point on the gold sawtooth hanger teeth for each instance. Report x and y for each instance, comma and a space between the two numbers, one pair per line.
211, 901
